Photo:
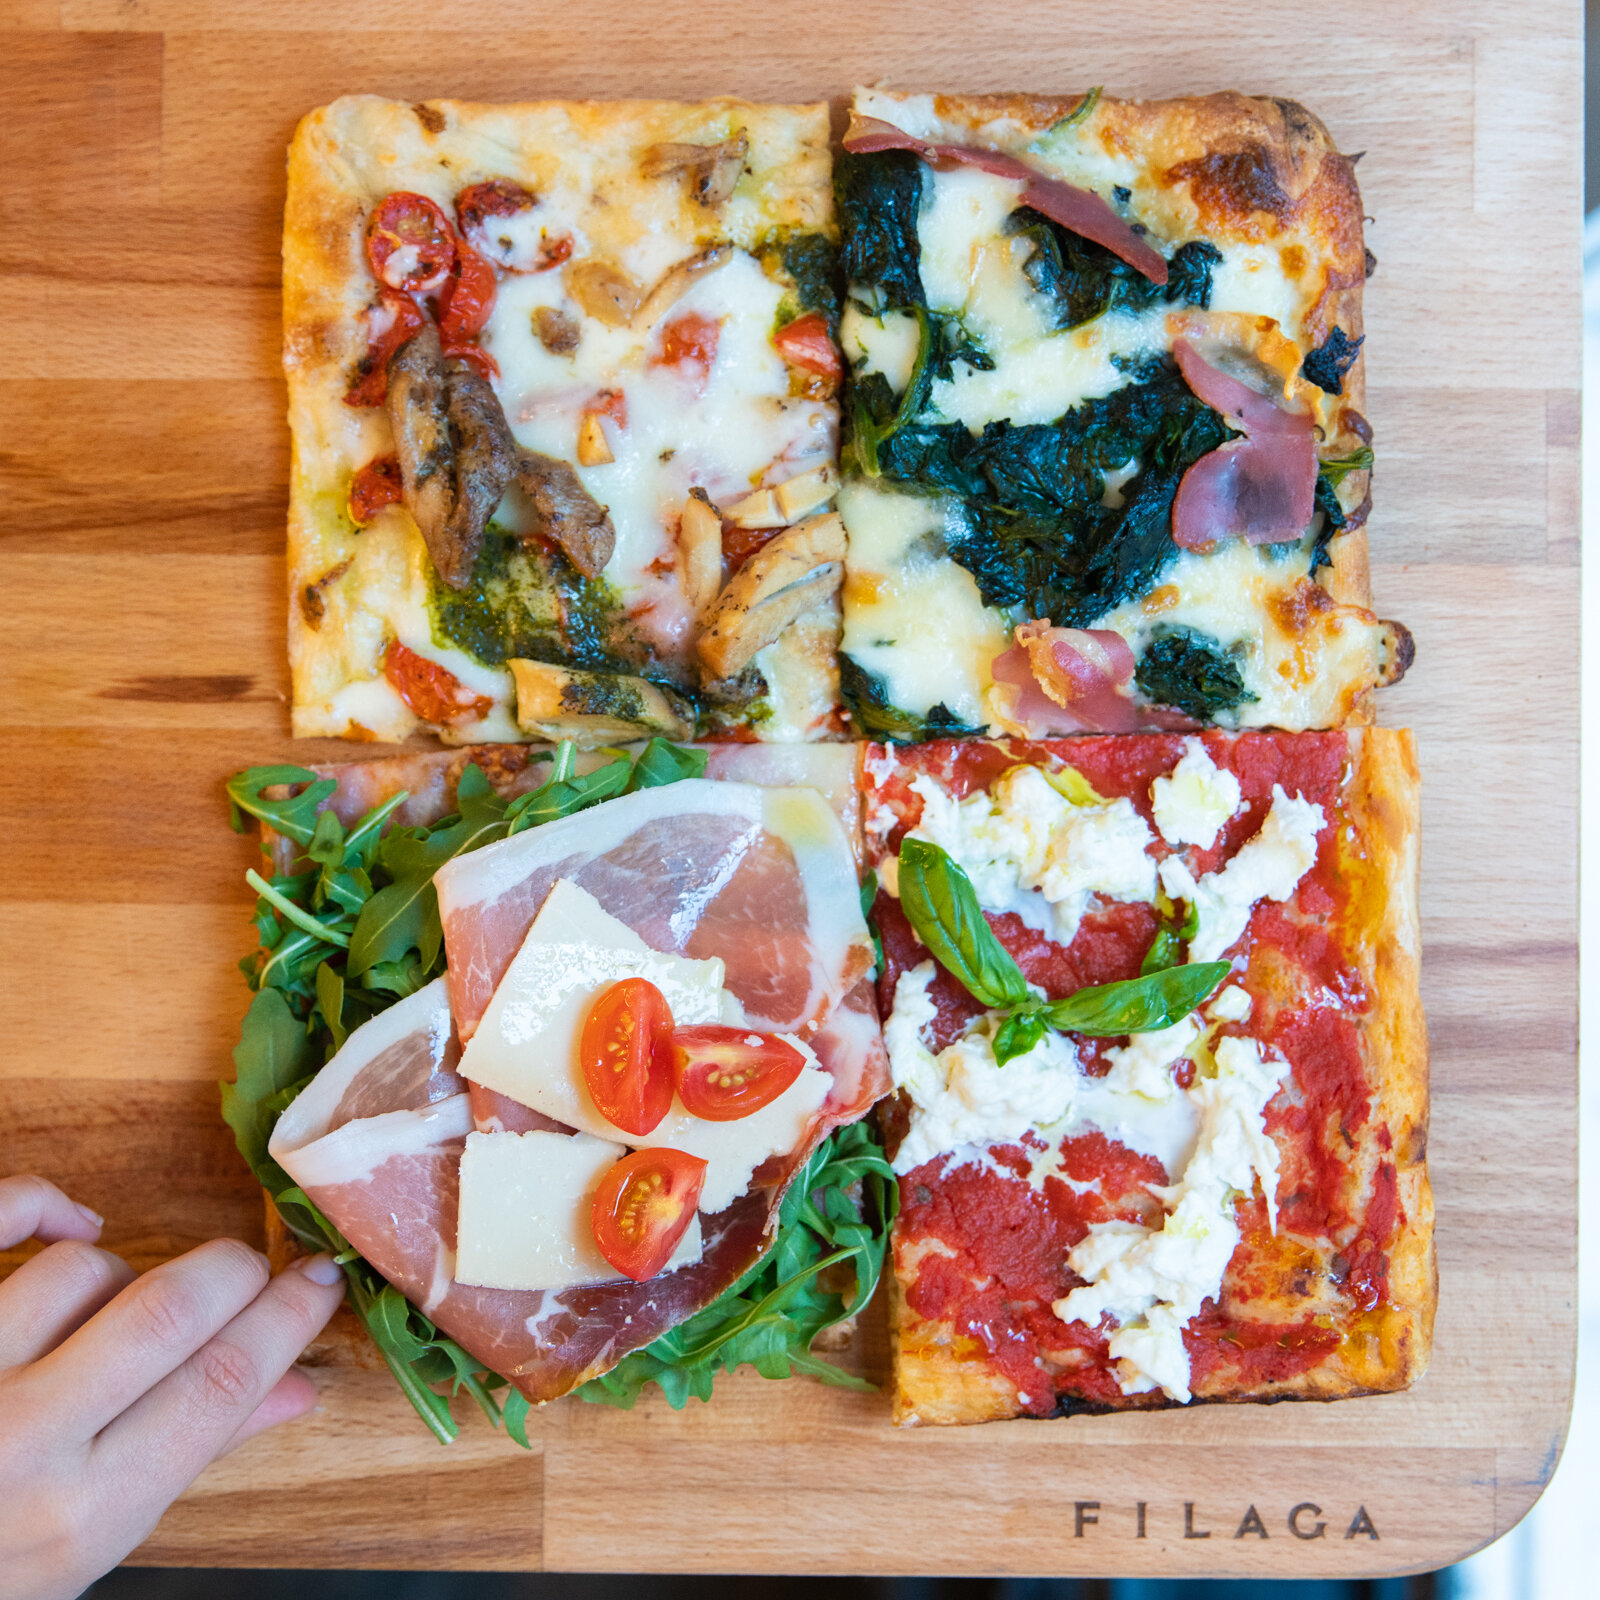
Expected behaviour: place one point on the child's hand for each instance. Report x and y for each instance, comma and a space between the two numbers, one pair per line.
115, 1391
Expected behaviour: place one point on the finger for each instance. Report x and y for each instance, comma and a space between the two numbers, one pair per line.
33, 1208
149, 1331
188, 1418
291, 1396
52, 1295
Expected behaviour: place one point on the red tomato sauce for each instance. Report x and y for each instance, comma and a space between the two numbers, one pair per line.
1010, 1240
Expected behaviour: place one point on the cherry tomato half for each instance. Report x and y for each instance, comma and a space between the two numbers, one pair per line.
375, 486
435, 693
726, 1073
805, 343
626, 1055
689, 343
468, 298
390, 324
410, 243
643, 1207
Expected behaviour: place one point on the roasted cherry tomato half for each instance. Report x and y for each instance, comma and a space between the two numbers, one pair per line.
805, 343
689, 343
726, 1073
643, 1207
435, 693
391, 323
410, 243
468, 298
625, 1052
375, 486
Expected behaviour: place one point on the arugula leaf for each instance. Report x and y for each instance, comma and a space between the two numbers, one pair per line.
940, 903
1191, 671
1137, 1005
372, 884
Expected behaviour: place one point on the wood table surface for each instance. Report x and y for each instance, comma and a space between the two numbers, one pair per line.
143, 470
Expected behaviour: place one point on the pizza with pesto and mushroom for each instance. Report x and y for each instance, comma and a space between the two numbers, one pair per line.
1104, 418
562, 386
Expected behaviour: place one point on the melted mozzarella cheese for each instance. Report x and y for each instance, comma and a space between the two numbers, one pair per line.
1192, 803
912, 616
1267, 867
1030, 850
886, 344
527, 1045
1153, 1281
525, 1207
963, 1102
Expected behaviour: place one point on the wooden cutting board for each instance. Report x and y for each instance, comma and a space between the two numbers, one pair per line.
144, 480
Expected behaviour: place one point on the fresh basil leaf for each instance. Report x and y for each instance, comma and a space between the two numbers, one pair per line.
942, 907
1164, 951
1017, 1034
1137, 1005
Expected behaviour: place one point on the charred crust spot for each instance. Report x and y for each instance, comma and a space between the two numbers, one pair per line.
1236, 183
312, 606
1298, 123
1352, 421
1416, 1148
431, 117
1399, 652
1372, 263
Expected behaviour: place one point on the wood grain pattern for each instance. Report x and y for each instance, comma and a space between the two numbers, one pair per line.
144, 458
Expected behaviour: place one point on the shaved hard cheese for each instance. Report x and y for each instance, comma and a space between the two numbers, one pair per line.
524, 1212
526, 1046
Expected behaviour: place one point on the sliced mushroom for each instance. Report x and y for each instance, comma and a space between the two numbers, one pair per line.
699, 551
594, 449
674, 284
418, 382
567, 512
603, 291
758, 510
785, 578
595, 708
712, 169
557, 330
808, 492
486, 460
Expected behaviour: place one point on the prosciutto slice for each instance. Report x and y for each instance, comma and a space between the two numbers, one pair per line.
764, 880
1261, 487
1064, 680
376, 1142
1081, 210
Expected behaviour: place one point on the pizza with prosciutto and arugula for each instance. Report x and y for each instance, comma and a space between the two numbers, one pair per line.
567, 1039
1105, 418
562, 394
1160, 1067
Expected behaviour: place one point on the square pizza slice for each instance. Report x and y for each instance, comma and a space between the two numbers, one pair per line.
562, 394
1105, 418
1160, 1062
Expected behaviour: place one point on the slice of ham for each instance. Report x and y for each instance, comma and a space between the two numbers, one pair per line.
376, 1142
1081, 210
1064, 680
1262, 487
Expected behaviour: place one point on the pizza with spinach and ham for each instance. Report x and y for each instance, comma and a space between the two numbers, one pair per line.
562, 395
1104, 418
1160, 1068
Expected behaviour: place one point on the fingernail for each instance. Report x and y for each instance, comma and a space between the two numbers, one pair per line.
91, 1216
322, 1269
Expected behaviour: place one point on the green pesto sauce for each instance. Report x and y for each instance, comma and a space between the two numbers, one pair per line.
807, 264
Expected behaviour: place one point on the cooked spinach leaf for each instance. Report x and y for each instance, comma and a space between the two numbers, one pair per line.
1192, 672
878, 197
1331, 360
1189, 273
811, 262
876, 717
